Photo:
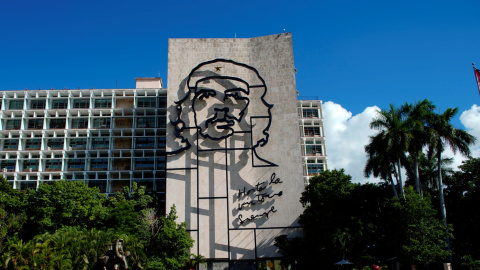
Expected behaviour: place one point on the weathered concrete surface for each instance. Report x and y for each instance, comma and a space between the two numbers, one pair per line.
233, 166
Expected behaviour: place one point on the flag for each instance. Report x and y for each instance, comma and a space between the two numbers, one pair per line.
477, 77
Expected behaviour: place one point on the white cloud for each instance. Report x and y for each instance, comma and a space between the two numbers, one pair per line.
346, 137
471, 120
347, 134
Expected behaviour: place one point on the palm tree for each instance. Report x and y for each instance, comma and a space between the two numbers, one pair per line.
379, 162
444, 134
392, 131
417, 132
428, 171
195, 261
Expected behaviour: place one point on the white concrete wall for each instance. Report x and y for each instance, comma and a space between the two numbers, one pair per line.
221, 173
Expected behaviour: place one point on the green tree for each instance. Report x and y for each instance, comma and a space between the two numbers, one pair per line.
379, 162
428, 171
65, 203
194, 261
363, 223
124, 209
340, 219
67, 248
12, 211
420, 237
462, 197
417, 133
444, 134
169, 248
16, 255
393, 137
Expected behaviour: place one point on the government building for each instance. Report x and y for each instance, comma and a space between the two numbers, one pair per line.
229, 142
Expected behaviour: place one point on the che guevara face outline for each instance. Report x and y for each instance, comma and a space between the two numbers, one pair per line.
219, 105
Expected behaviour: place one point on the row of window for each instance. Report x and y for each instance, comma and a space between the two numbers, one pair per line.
60, 123
81, 143
40, 104
80, 164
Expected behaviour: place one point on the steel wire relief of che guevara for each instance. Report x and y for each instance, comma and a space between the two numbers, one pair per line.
222, 107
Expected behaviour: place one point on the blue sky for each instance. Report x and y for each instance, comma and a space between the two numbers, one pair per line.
356, 54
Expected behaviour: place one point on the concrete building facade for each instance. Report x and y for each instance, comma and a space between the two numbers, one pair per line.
310, 120
105, 137
233, 153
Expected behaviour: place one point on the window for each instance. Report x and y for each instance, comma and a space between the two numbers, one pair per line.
55, 143
38, 104
33, 144
144, 164
314, 150
103, 103
101, 185
10, 144
80, 123
8, 165
30, 164
35, 123
13, 124
310, 113
99, 164
161, 163
146, 102
162, 121
78, 143
28, 185
77, 164
162, 102
58, 123
59, 104
16, 105
162, 142
161, 185
314, 169
146, 122
81, 103
101, 123
53, 165
100, 143
312, 131
145, 142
